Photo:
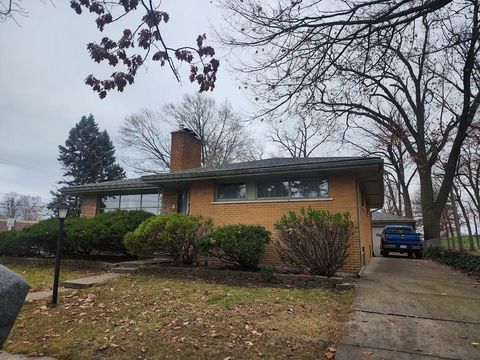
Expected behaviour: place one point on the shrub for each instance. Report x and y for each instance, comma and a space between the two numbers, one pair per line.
267, 273
237, 244
176, 234
103, 232
314, 240
12, 243
41, 238
459, 260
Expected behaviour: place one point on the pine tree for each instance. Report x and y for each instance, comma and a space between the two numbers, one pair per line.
87, 157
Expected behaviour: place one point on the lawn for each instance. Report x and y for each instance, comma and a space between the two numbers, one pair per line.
143, 317
41, 277
465, 241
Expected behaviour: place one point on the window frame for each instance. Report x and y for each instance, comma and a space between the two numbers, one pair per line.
251, 193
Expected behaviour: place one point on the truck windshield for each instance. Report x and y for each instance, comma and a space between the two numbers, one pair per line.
399, 230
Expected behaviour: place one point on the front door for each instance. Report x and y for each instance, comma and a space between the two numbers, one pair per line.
183, 201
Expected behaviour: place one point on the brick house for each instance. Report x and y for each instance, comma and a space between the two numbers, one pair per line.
253, 192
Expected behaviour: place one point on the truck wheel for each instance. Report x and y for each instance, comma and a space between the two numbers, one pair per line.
419, 255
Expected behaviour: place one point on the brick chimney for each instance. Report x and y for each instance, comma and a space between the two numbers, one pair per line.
185, 150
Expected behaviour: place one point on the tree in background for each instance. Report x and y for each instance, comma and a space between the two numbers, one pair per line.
400, 170
225, 138
301, 135
21, 207
87, 157
9, 9
362, 61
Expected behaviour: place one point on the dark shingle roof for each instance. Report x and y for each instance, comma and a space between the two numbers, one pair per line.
124, 184
269, 163
382, 217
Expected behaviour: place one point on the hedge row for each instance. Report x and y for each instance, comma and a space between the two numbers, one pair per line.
459, 260
85, 236
313, 240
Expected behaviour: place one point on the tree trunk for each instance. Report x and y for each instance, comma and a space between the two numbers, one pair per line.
453, 235
447, 234
476, 230
456, 219
431, 214
465, 216
407, 203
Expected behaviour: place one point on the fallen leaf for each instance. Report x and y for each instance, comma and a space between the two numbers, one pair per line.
329, 355
367, 353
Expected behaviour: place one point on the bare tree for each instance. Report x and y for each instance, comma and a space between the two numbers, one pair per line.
9, 9
300, 135
421, 59
146, 133
400, 170
21, 207
225, 138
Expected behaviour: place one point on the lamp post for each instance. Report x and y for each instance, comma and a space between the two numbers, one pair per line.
62, 210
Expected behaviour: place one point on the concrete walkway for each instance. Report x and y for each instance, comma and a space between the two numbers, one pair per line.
7, 356
73, 284
413, 309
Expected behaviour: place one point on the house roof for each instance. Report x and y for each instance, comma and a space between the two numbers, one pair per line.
369, 171
382, 218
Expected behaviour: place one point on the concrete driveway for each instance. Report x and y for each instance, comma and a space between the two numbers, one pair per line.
413, 309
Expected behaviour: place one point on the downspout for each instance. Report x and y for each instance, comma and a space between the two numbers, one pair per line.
361, 271
362, 268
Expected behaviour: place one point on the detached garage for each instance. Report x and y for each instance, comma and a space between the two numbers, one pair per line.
380, 220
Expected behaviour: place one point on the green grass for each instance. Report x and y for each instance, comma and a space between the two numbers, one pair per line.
41, 277
140, 317
465, 241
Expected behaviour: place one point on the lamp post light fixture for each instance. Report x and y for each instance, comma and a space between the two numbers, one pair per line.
62, 211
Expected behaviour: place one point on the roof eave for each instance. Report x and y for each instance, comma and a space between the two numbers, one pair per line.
271, 170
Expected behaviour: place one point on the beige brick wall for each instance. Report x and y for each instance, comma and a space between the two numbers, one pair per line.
343, 189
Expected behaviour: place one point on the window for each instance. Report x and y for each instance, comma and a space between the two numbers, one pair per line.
130, 202
110, 202
309, 188
276, 189
147, 202
312, 188
150, 203
231, 191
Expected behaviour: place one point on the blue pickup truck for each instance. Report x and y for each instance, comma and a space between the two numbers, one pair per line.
401, 239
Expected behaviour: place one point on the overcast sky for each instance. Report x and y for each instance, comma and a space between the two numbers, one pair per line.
43, 65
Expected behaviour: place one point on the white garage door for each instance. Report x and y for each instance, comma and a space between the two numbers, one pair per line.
376, 239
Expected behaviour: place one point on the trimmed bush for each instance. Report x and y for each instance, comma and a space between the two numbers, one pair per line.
176, 234
459, 260
104, 232
240, 245
314, 240
12, 243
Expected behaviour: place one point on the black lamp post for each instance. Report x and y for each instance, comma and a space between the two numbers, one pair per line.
62, 211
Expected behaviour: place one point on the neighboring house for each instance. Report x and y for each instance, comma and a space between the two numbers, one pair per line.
253, 192
18, 224
380, 220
